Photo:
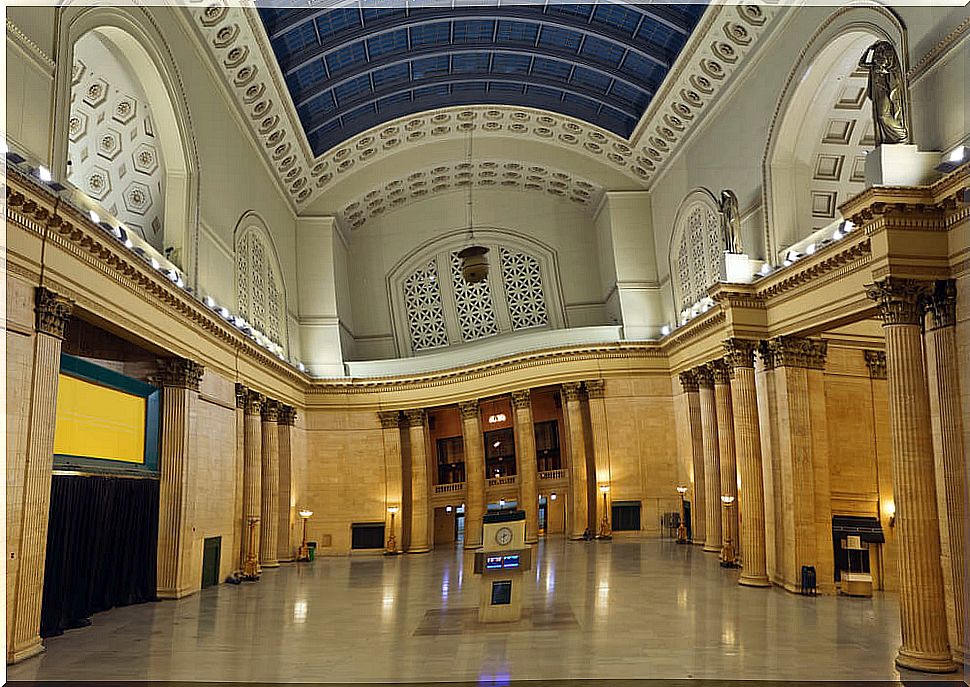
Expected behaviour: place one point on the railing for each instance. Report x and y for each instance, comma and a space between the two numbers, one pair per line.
448, 488
501, 481
553, 474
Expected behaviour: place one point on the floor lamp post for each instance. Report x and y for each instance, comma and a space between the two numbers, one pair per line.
391, 549
605, 522
304, 553
728, 559
251, 564
682, 527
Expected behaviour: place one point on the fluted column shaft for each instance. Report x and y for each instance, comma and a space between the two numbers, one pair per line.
724, 408
712, 459
238, 528
578, 489
925, 644
394, 472
525, 449
473, 443
596, 392
421, 523
688, 381
252, 473
179, 379
269, 507
747, 441
23, 609
284, 546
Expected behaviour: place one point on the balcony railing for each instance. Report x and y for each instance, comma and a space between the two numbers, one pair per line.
502, 481
448, 488
553, 474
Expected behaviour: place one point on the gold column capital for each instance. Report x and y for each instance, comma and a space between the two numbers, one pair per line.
52, 311
254, 401
270, 410
595, 388
766, 355
287, 415
942, 303
705, 376
796, 351
720, 371
468, 409
876, 362
570, 391
180, 373
241, 393
899, 301
390, 419
414, 417
739, 352
521, 399
688, 381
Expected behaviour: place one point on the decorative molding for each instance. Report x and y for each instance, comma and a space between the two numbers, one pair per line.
705, 376
521, 399
899, 301
766, 355
179, 373
942, 304
595, 388
570, 391
689, 382
739, 353
287, 415
796, 351
390, 419
720, 371
42, 59
723, 294
876, 362
938, 51
819, 266
52, 312
270, 410
469, 410
414, 417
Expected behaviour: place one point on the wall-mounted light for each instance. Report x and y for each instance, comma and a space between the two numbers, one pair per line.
665, 330
498, 417
448, 509
552, 496
891, 513
44, 174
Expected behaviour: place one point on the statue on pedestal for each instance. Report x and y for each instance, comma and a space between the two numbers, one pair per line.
731, 223
885, 90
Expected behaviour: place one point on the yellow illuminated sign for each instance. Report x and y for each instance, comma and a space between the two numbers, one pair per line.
94, 421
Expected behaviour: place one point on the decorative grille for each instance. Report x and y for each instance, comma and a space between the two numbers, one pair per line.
422, 302
259, 294
523, 290
473, 305
699, 255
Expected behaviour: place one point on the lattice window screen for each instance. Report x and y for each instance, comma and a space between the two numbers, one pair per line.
259, 294
422, 303
523, 290
473, 305
699, 255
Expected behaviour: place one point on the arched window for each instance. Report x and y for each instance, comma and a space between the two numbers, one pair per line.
260, 297
697, 249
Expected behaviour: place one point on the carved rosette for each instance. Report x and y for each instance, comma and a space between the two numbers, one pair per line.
414, 417
287, 415
900, 301
270, 410
941, 304
596, 388
796, 351
180, 373
254, 402
241, 392
688, 381
720, 371
705, 377
521, 399
739, 353
876, 362
570, 391
468, 409
390, 419
53, 312
767, 357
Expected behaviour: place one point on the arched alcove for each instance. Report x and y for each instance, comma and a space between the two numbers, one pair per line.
822, 126
260, 288
696, 250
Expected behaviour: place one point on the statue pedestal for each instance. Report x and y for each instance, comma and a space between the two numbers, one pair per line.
899, 164
738, 268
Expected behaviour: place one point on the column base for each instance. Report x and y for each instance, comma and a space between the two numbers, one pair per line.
169, 594
926, 663
754, 581
534, 540
33, 649
420, 550
712, 548
472, 545
269, 564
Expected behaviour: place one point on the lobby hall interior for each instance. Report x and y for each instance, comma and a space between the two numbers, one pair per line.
487, 342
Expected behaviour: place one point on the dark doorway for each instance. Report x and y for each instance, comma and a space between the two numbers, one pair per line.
626, 516
211, 555
367, 535
688, 522
499, 453
543, 508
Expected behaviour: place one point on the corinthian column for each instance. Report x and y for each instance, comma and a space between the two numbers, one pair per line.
950, 459
269, 505
688, 380
712, 459
525, 449
420, 510
724, 409
596, 392
179, 379
286, 419
23, 606
238, 529
473, 444
922, 603
578, 490
739, 356
394, 469
252, 478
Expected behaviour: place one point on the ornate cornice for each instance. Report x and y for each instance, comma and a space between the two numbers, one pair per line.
941, 304
876, 362
570, 391
595, 388
522, 399
52, 312
241, 393
469, 410
899, 301
30, 47
287, 415
939, 50
739, 352
796, 351
720, 371
823, 265
688, 381
728, 295
705, 376
180, 373
414, 417
390, 419
270, 410
917, 208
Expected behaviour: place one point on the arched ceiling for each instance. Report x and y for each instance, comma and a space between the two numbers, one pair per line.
355, 65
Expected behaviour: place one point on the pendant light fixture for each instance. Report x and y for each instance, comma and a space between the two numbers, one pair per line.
474, 260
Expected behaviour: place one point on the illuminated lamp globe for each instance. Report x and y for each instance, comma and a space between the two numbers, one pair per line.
474, 264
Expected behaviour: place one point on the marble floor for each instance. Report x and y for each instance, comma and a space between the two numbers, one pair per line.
627, 609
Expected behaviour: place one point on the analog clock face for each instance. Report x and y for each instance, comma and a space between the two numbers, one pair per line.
503, 536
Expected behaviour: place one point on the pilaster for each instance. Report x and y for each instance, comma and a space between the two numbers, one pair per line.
596, 392
712, 458
421, 514
286, 418
269, 505
724, 409
525, 449
393, 467
474, 448
238, 530
252, 477
688, 381
578, 489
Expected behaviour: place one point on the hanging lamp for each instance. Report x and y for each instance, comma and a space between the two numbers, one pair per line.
474, 260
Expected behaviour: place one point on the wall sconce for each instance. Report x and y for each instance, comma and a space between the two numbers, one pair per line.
891, 513
552, 496
682, 527
391, 549
604, 532
304, 553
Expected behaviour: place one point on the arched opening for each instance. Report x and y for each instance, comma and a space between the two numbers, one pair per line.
696, 253
260, 292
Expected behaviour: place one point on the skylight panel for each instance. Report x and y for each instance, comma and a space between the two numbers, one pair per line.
363, 112
352, 89
396, 73
430, 34
388, 43
332, 22
469, 62
302, 37
469, 87
431, 92
395, 100
591, 79
321, 104
517, 32
618, 17
641, 68
473, 31
563, 39
549, 67
346, 58
306, 76
429, 66
582, 102
511, 64
627, 94
373, 15
571, 8
505, 87
602, 51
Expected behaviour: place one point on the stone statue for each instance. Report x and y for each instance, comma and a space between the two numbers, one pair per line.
731, 222
886, 93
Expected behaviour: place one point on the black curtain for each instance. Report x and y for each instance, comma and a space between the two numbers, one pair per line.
102, 544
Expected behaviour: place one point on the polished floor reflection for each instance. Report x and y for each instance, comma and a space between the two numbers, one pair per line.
630, 608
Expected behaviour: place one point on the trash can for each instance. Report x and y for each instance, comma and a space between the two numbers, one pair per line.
312, 546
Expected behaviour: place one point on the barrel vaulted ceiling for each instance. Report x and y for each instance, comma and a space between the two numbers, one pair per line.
330, 88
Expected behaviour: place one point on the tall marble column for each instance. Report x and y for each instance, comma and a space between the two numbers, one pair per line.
421, 513
252, 475
578, 489
526, 466
473, 445
284, 423
179, 379
925, 644
238, 529
596, 392
724, 408
739, 355
950, 458
23, 610
688, 380
393, 469
269, 505
712, 458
